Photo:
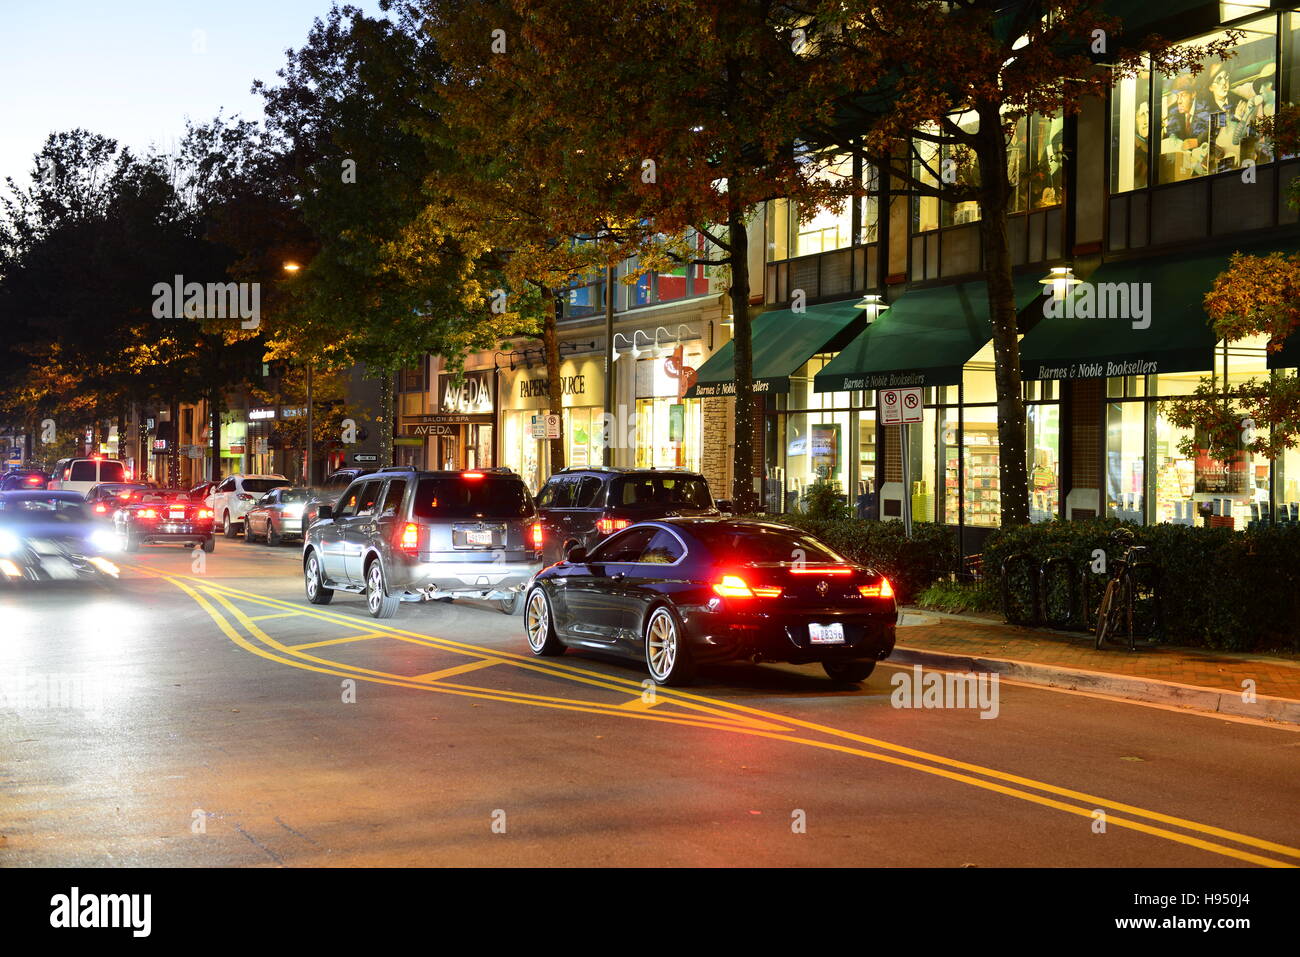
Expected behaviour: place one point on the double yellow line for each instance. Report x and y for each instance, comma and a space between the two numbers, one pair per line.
696, 711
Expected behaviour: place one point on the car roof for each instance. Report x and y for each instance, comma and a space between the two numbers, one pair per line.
35, 493
624, 470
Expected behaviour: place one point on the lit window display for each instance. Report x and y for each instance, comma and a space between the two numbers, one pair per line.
1125, 460
1209, 122
1130, 133
1043, 448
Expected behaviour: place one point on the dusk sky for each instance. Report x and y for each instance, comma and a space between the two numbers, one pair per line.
135, 70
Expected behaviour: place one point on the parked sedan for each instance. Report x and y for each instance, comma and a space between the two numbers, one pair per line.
678, 592
277, 515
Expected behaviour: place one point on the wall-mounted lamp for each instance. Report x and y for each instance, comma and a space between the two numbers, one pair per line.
1060, 280
614, 350
873, 305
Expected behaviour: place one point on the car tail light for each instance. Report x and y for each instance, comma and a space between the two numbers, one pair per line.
733, 586
607, 525
101, 508
472, 475
410, 537
148, 513
204, 513
825, 570
124, 496
33, 480
537, 534
244, 496
883, 590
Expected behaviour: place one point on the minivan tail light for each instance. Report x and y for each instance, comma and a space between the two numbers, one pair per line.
733, 586
537, 534
607, 525
410, 537
883, 590
472, 475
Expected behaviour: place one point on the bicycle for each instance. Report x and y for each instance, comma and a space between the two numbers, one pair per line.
1126, 599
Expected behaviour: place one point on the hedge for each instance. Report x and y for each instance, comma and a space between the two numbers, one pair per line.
1217, 588
910, 566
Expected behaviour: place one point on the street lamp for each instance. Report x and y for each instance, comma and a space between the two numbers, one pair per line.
873, 305
291, 267
1061, 280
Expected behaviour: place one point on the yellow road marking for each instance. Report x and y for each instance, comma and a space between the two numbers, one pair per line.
639, 704
682, 698
278, 614
331, 641
459, 669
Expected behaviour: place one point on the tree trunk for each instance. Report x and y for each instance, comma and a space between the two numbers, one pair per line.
995, 195
744, 497
555, 392
387, 402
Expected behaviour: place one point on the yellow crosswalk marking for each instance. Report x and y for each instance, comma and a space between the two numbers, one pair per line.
459, 669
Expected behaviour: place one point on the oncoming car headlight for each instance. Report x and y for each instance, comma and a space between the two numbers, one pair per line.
9, 543
104, 540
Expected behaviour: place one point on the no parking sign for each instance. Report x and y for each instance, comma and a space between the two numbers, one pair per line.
901, 406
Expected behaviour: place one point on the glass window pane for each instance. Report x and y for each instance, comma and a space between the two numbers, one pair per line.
1044, 460
1209, 122
778, 230
1130, 133
966, 170
981, 461
1046, 164
1125, 462
830, 228
1018, 166
925, 168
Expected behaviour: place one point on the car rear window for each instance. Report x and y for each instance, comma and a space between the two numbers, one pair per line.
690, 491
111, 472
297, 495
759, 544
263, 485
84, 472
468, 498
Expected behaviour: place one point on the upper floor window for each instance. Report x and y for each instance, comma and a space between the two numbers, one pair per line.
1205, 123
676, 280
790, 235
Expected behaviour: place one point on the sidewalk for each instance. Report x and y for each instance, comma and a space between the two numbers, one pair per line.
1200, 680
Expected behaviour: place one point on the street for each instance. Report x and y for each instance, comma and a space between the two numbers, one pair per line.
209, 716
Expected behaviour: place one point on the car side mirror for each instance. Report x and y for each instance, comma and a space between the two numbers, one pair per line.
724, 505
324, 511
576, 555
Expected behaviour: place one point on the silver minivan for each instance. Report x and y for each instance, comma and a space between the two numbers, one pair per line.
405, 535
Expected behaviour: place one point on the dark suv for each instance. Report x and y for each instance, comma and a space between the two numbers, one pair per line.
586, 505
404, 535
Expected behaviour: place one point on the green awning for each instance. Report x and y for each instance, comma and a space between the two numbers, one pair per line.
1132, 317
923, 339
783, 341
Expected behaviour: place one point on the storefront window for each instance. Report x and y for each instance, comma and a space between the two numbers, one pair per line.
1130, 133
1043, 443
981, 460
668, 433
1209, 122
867, 503
922, 452
1125, 460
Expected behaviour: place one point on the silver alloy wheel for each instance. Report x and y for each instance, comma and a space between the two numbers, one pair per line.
661, 644
375, 588
313, 577
538, 621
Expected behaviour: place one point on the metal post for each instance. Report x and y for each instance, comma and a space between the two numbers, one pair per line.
307, 466
608, 452
903, 439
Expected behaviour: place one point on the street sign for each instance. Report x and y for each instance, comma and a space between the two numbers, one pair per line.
545, 426
364, 457
901, 406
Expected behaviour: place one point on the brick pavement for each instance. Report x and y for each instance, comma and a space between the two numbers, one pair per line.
1274, 675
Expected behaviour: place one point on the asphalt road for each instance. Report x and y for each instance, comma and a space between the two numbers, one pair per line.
210, 716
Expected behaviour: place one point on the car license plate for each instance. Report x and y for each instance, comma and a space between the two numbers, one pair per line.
832, 634
177, 514
479, 538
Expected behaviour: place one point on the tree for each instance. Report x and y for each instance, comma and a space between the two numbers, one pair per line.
925, 79
638, 122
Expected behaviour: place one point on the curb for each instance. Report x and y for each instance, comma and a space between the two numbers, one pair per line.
1211, 700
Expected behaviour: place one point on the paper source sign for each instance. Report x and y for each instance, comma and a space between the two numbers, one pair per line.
901, 406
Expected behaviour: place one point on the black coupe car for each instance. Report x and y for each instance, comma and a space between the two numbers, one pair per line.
682, 591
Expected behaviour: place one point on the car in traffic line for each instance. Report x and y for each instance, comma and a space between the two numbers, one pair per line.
21, 477
81, 475
164, 516
235, 495
277, 515
405, 535
105, 499
587, 505
678, 592
49, 536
